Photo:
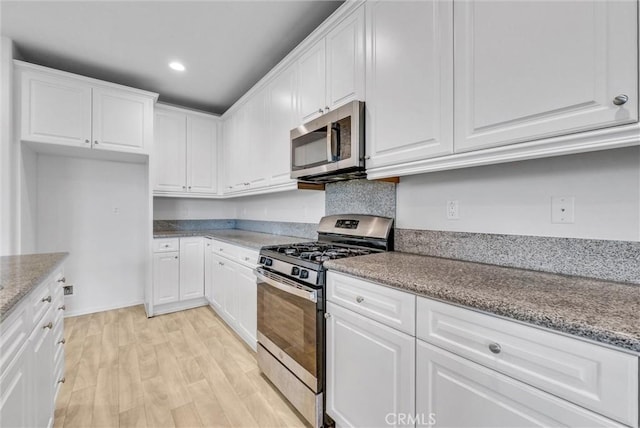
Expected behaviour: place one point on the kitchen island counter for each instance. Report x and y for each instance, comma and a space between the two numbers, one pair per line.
21, 274
601, 311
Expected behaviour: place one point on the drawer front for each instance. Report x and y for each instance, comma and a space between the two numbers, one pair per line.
225, 249
41, 300
163, 245
248, 257
391, 307
600, 379
14, 332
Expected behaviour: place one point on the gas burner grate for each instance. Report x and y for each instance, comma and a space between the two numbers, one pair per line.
319, 251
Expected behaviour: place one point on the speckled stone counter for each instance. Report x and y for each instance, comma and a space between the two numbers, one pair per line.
602, 311
244, 238
21, 274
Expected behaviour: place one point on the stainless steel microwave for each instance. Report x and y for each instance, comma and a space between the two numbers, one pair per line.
331, 147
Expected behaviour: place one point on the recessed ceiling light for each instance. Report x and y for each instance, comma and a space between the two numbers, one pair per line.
176, 66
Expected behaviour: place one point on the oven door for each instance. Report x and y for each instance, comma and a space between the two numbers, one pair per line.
289, 325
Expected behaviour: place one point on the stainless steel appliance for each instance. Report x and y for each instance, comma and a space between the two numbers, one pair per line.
291, 305
331, 147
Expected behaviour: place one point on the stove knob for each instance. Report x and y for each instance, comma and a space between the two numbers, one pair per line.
268, 262
304, 274
295, 271
262, 260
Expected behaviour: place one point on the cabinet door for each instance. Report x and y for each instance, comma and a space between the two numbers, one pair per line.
15, 400
311, 83
255, 146
55, 110
166, 277
281, 114
345, 61
122, 121
208, 271
41, 373
528, 70
191, 268
409, 81
370, 371
202, 155
247, 305
454, 392
219, 282
169, 151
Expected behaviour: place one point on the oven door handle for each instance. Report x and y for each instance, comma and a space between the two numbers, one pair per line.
286, 285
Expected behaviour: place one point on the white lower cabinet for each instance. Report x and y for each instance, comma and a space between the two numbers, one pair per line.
30, 340
233, 289
452, 391
463, 368
370, 371
178, 274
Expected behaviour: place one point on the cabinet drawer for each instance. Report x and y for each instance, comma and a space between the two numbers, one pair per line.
225, 249
248, 256
391, 307
164, 245
600, 379
41, 300
13, 335
461, 393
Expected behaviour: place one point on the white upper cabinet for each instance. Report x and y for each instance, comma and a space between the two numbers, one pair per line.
281, 120
202, 154
409, 81
331, 72
528, 70
66, 109
185, 153
169, 151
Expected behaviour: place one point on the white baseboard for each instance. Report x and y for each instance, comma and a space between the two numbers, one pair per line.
95, 309
178, 306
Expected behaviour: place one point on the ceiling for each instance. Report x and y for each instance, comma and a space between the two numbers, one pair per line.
226, 46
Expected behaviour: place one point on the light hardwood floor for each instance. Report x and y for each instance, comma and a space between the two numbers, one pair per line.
185, 369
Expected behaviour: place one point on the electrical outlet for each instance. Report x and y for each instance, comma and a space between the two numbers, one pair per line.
563, 209
453, 211
68, 290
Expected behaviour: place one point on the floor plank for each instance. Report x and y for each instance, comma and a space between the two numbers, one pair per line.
186, 369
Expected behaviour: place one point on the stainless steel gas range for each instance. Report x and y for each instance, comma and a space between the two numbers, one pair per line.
291, 305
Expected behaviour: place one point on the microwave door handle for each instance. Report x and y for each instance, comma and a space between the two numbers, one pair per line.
335, 141
329, 144
284, 286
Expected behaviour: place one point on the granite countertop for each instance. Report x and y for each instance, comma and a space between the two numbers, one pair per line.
21, 274
244, 238
602, 311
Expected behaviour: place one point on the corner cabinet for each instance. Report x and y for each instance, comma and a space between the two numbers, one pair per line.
331, 72
184, 161
397, 359
70, 110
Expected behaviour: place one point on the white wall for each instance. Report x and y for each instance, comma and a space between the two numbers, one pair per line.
515, 198
298, 206
77, 200
8, 189
193, 209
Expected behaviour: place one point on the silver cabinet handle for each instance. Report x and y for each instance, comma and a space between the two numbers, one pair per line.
221, 249
49, 326
184, 187
189, 187
175, 257
246, 259
320, 111
95, 142
221, 264
63, 279
62, 342
46, 299
327, 315
62, 308
87, 141
63, 380
359, 299
367, 157
495, 348
326, 108
166, 245
620, 99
